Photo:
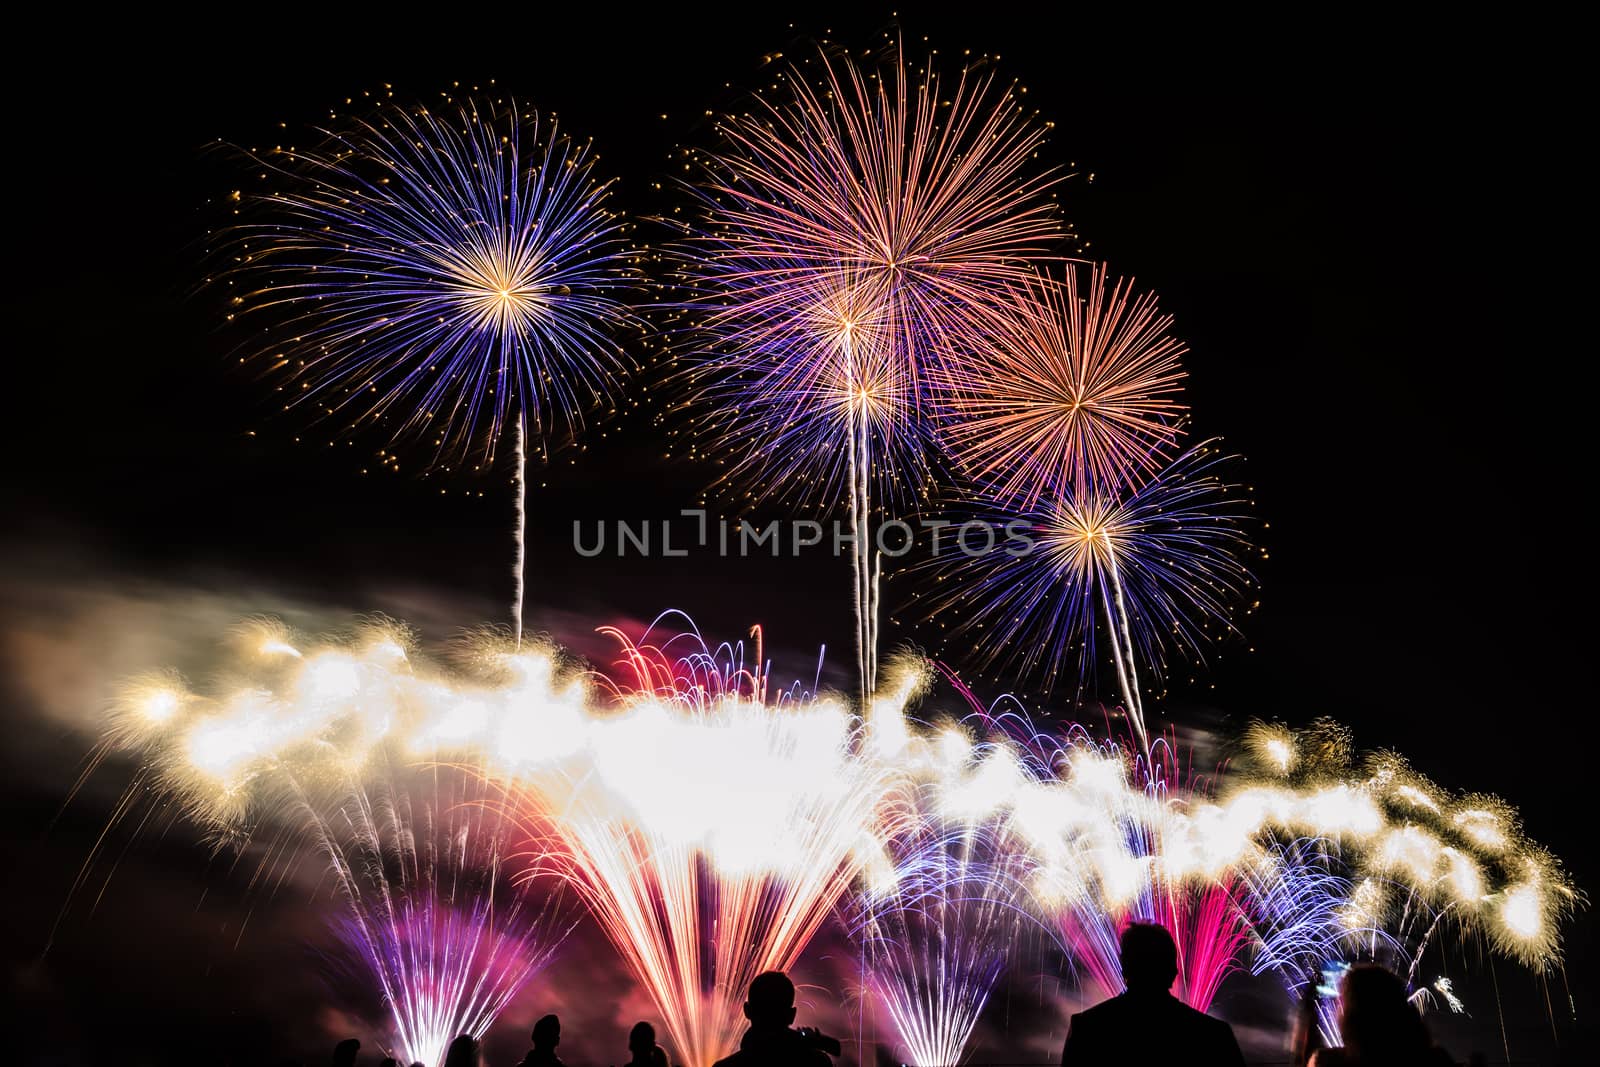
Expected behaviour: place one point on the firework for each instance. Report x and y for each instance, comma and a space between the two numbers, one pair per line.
443, 273
312, 750
426, 914
1071, 403
1075, 393
1155, 566
1421, 859
937, 940
699, 895
1300, 912
1144, 871
854, 229
404, 773
1113, 836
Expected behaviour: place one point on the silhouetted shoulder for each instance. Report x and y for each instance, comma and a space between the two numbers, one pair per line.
1105, 1033
1338, 1057
1220, 1039
798, 1056
1106, 1009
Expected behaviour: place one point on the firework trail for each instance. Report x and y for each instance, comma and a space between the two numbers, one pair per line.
1155, 565
938, 938
442, 273
414, 849
854, 228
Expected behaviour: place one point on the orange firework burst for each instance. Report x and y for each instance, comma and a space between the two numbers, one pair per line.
1075, 389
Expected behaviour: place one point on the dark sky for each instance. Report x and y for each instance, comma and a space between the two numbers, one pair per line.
1358, 228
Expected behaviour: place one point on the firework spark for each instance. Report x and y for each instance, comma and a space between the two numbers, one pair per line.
1421, 859
852, 233
1300, 914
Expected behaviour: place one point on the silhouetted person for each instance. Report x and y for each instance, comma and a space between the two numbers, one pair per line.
1380, 1027
1147, 1024
463, 1052
770, 1042
389, 1061
642, 1048
546, 1036
344, 1053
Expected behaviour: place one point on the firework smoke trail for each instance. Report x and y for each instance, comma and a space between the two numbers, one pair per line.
1122, 641
859, 459
852, 231
521, 531
309, 753
937, 939
439, 272
1156, 565
696, 894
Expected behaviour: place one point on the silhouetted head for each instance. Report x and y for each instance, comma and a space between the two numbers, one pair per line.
463, 1052
642, 1038
389, 1061
344, 1053
1149, 958
1377, 1020
771, 1000
547, 1032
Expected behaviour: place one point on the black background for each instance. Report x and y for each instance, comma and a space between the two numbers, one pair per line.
1359, 227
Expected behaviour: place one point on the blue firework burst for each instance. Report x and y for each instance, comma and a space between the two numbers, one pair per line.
439, 272
1163, 560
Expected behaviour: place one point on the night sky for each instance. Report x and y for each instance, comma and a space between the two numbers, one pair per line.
1358, 229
